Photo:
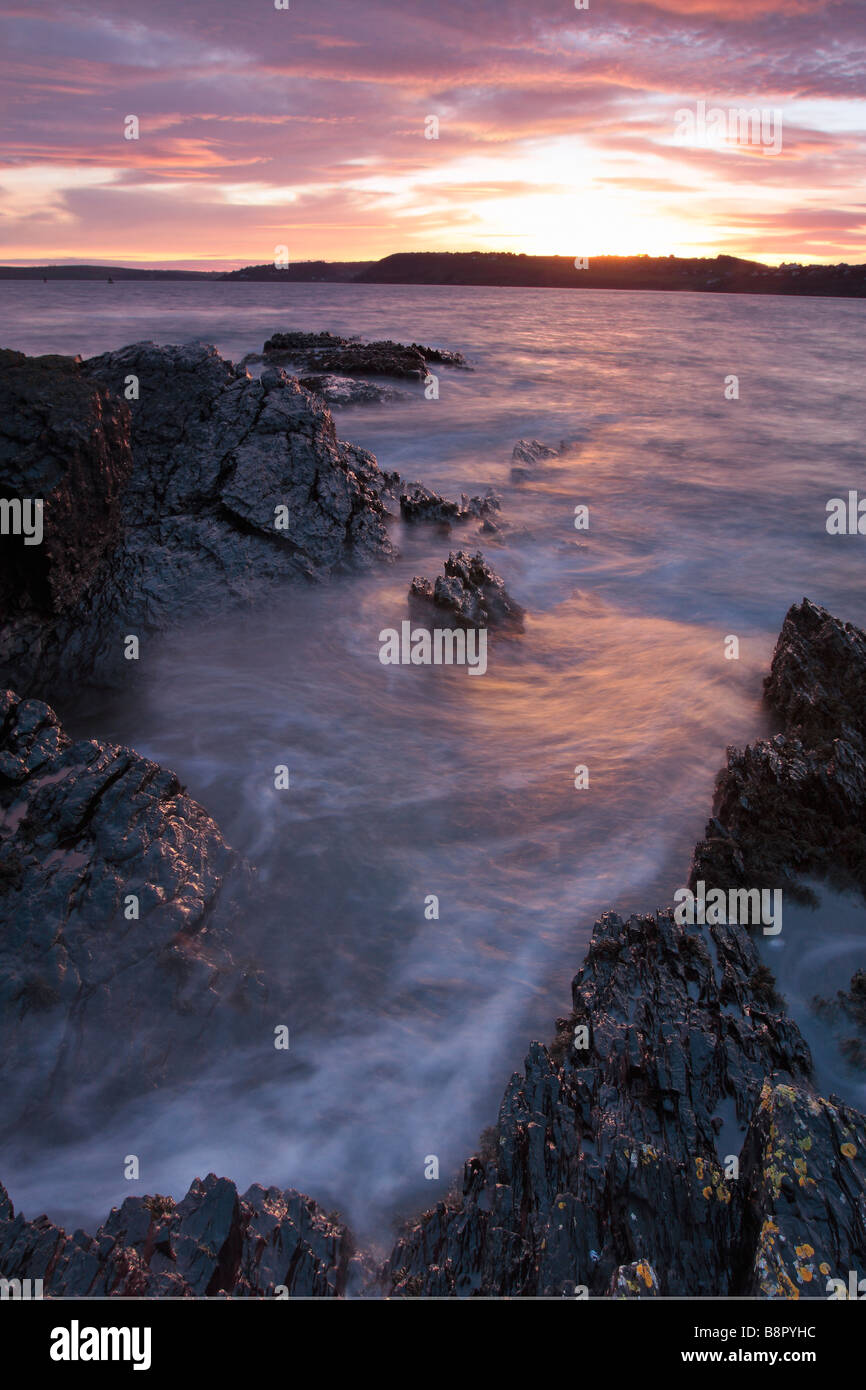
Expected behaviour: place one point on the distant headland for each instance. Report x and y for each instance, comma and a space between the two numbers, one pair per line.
715, 275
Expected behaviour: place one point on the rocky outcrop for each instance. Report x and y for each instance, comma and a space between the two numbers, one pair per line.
267, 1243
470, 595
615, 1145
116, 900
420, 503
327, 352
795, 804
227, 483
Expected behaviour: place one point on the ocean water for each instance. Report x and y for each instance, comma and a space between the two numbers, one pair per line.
707, 520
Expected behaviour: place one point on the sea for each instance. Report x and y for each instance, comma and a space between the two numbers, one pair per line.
707, 508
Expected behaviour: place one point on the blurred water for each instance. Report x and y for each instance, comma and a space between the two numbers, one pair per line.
816, 953
707, 519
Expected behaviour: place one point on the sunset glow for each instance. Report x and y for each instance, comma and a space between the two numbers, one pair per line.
556, 130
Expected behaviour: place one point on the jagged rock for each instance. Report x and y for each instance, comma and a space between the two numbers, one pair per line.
345, 390
529, 455
610, 1154
303, 343
470, 594
326, 352
420, 503
82, 827
214, 454
805, 1194
212, 1242
794, 804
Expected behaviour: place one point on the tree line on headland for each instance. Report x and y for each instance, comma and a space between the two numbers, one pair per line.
719, 274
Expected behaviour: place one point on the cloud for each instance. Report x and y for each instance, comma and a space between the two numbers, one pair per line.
326, 106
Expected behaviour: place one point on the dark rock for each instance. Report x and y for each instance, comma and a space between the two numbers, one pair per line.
304, 343
82, 827
795, 804
66, 441
326, 352
267, 1242
214, 454
804, 1223
609, 1156
529, 456
420, 503
470, 594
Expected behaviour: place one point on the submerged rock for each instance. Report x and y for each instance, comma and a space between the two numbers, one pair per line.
529, 456
263, 1244
470, 595
227, 483
420, 503
345, 390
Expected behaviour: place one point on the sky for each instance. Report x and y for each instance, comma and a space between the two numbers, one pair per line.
604, 130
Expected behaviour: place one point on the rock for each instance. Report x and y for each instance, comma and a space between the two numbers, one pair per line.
529, 455
470, 594
66, 441
345, 390
214, 454
609, 1155
326, 352
419, 503
82, 827
531, 452
804, 1224
637, 1280
302, 344
795, 804
212, 1242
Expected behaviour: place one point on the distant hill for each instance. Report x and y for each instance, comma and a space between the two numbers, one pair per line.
303, 271
335, 271
100, 272
717, 275
722, 274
